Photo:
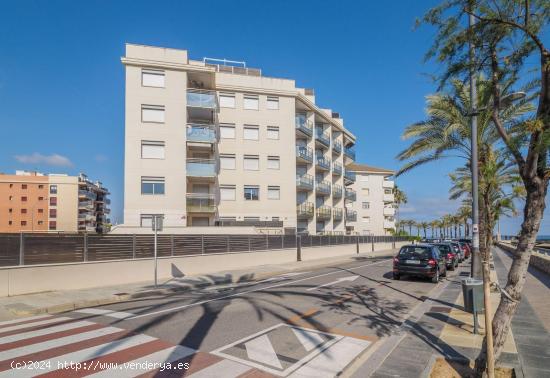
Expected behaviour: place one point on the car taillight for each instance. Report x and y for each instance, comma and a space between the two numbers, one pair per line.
450, 255
431, 262
395, 261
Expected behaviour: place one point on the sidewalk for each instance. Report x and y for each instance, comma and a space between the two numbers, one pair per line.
442, 329
60, 301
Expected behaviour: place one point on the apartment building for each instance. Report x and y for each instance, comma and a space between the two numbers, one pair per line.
374, 208
34, 202
215, 143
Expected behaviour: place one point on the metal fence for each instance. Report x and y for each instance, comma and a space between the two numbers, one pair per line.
33, 249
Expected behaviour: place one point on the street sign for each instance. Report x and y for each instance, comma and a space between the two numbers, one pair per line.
475, 227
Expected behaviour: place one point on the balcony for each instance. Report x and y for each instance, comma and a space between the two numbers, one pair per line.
201, 203
322, 162
304, 126
304, 182
305, 210
388, 184
322, 187
336, 169
389, 224
349, 177
388, 197
349, 152
86, 205
87, 194
199, 98
351, 194
324, 212
337, 191
201, 168
197, 133
322, 138
389, 211
304, 154
337, 214
86, 217
351, 215
337, 147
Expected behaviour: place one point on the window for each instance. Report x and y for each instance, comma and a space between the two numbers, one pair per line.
23, 223
53, 189
272, 103
251, 102
227, 161
41, 198
152, 78
152, 149
10, 223
23, 199
152, 185
11, 185
53, 201
251, 192
146, 220
53, 213
365, 191
272, 132
366, 219
40, 211
251, 162
53, 225
388, 191
273, 162
275, 219
10, 211
365, 205
152, 113
23, 186
40, 186
40, 223
227, 192
273, 192
227, 100
11, 198
23, 211
251, 132
227, 131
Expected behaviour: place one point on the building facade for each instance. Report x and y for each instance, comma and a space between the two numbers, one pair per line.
374, 208
34, 202
210, 144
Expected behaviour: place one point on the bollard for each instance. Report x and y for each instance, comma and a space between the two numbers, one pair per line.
21, 249
357, 244
85, 254
372, 243
298, 248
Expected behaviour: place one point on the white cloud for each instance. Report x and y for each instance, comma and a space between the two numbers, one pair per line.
100, 158
55, 160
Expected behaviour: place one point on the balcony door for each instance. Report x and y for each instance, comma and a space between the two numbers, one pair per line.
201, 188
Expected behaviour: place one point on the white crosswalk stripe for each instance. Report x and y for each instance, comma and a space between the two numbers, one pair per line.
7, 322
44, 331
33, 324
102, 312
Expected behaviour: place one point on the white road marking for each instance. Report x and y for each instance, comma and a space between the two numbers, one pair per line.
261, 350
45, 331
103, 312
225, 368
309, 340
39, 347
19, 320
129, 369
349, 279
33, 324
200, 303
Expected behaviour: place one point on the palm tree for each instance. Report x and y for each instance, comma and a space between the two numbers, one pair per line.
399, 198
463, 214
425, 226
434, 225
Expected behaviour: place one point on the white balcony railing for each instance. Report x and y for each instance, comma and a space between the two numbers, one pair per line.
389, 211
389, 197
387, 184
389, 224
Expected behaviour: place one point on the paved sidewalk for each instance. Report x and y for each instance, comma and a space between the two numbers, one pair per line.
60, 301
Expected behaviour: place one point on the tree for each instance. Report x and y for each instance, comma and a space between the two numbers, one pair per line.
434, 225
508, 41
399, 198
424, 225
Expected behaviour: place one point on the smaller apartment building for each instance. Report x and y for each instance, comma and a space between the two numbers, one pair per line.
374, 208
34, 202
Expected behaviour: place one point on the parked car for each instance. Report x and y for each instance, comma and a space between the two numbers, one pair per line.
457, 250
451, 258
465, 249
422, 260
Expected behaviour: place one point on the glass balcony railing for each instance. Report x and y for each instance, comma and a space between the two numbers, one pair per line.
350, 176
322, 162
305, 210
337, 213
337, 191
337, 169
323, 138
349, 152
304, 126
351, 215
322, 187
201, 203
351, 194
201, 167
324, 212
337, 146
201, 133
199, 98
86, 205
304, 154
86, 194
304, 182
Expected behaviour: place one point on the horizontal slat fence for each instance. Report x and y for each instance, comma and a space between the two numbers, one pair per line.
34, 249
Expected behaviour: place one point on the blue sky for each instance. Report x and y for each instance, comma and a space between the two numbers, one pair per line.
62, 83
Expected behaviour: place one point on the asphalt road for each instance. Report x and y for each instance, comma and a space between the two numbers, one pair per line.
312, 323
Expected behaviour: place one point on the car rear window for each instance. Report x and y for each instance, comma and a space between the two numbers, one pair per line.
413, 251
444, 248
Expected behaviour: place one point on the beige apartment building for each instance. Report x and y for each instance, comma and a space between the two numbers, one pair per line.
375, 205
34, 202
214, 143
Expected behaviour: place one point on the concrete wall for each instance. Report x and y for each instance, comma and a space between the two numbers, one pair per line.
67, 202
34, 279
538, 260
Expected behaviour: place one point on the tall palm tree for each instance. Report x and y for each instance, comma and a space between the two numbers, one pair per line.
425, 226
399, 198
434, 225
